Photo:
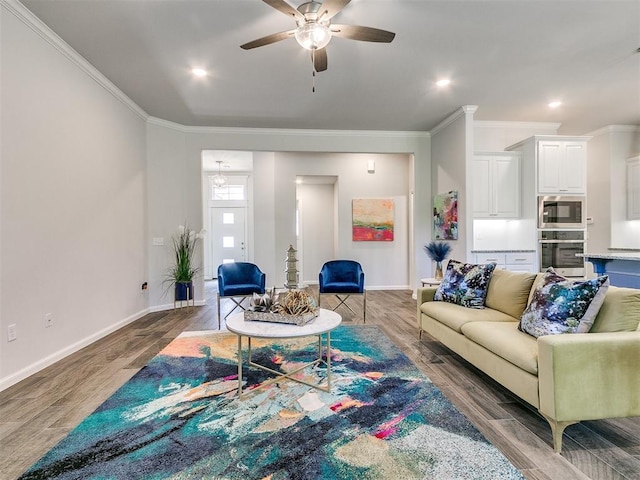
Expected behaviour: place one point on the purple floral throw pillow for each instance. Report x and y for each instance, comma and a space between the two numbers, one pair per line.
465, 284
560, 305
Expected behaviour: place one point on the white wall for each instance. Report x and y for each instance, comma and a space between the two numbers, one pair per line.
386, 264
599, 193
263, 227
274, 214
73, 197
497, 136
625, 144
451, 146
316, 213
166, 193
607, 188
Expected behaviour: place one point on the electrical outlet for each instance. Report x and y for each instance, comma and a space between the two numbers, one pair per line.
48, 320
11, 333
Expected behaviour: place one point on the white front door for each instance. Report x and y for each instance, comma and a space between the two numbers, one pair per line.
227, 236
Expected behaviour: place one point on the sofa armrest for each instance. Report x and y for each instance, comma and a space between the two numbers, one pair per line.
424, 294
589, 376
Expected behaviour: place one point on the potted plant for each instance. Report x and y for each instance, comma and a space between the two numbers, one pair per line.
181, 274
438, 252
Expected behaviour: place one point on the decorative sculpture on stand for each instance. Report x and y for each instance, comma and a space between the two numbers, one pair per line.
291, 269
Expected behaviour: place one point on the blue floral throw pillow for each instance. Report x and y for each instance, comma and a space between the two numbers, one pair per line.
465, 284
560, 305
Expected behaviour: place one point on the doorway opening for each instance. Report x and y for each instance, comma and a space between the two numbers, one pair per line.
316, 217
226, 205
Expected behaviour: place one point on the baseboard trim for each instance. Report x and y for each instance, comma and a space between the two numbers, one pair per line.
169, 306
35, 367
387, 287
366, 287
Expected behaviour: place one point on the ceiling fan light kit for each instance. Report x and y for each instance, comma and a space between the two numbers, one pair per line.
314, 29
313, 36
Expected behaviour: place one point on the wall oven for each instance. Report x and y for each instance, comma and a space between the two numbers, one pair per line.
558, 249
561, 212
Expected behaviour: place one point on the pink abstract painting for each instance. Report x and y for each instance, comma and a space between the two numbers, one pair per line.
373, 219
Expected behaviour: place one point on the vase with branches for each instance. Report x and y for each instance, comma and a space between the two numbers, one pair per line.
438, 252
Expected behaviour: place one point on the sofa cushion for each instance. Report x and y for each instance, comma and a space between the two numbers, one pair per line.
454, 316
620, 311
560, 305
465, 284
505, 340
509, 291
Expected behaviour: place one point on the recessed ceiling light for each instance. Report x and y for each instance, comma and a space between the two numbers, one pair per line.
199, 72
443, 83
555, 104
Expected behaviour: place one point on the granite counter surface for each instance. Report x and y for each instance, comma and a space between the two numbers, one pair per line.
502, 251
618, 255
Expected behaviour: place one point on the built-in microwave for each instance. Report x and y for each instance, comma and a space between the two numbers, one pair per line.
561, 212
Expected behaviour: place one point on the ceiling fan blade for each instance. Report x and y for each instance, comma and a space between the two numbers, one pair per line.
285, 8
330, 8
364, 34
269, 39
319, 58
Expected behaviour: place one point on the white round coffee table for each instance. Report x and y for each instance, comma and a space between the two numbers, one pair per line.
326, 321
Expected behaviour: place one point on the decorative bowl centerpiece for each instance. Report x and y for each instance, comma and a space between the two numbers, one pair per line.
296, 307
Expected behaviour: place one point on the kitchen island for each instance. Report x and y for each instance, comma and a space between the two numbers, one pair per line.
623, 267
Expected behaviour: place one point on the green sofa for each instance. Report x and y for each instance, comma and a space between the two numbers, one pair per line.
569, 377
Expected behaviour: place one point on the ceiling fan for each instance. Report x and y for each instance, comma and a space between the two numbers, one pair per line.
314, 29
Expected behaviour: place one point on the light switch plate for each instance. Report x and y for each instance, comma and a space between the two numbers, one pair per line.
11, 333
158, 241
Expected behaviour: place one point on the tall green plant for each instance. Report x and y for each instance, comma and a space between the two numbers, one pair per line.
184, 245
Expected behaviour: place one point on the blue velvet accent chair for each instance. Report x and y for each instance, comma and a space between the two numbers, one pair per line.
343, 278
237, 281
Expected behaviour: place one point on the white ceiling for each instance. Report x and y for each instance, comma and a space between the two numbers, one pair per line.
509, 57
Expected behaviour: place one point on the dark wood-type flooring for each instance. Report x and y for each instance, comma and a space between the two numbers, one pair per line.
39, 411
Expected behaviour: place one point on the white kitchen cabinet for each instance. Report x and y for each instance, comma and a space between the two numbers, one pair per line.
513, 261
496, 185
562, 167
633, 188
520, 262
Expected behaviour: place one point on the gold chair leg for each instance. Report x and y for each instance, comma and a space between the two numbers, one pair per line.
364, 306
219, 321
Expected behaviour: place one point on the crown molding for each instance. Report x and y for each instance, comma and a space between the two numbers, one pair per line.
23, 14
167, 124
506, 124
285, 132
615, 129
466, 109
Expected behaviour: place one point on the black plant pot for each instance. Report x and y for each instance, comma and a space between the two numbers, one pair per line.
183, 291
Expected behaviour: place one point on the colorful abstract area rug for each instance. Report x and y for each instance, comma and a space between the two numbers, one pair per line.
179, 418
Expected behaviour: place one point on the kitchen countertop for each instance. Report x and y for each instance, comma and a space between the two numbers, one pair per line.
616, 255
502, 251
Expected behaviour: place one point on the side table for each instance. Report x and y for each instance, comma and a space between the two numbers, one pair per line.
430, 282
